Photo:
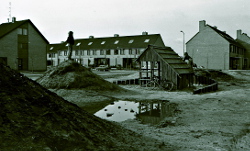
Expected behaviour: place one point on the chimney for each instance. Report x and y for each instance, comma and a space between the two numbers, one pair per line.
144, 33
13, 19
202, 25
116, 35
91, 37
239, 32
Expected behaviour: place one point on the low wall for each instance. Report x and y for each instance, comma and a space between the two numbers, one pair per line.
211, 84
127, 81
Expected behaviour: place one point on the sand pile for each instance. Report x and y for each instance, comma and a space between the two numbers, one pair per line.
34, 118
69, 74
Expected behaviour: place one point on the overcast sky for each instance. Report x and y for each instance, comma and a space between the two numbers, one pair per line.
104, 18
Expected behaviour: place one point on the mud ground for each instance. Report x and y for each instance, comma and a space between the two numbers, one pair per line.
211, 121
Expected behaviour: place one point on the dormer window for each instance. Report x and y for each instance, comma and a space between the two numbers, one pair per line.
131, 41
116, 42
67, 45
51, 48
90, 43
103, 42
147, 40
78, 44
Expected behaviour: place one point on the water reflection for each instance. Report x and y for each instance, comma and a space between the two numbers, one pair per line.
119, 111
154, 112
147, 111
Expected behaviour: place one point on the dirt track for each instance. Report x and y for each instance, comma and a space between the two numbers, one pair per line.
212, 121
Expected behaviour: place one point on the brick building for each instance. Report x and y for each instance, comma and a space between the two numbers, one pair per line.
22, 46
215, 49
112, 51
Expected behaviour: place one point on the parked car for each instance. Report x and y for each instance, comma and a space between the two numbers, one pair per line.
102, 68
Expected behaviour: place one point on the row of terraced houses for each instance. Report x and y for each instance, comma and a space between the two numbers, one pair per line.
23, 47
113, 51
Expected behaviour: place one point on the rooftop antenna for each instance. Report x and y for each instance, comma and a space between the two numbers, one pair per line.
9, 11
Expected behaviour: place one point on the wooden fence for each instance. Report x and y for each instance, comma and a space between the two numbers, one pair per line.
211, 84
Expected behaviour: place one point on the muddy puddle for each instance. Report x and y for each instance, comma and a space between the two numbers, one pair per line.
152, 112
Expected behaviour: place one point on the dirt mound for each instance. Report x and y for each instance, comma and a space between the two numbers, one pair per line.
69, 74
34, 118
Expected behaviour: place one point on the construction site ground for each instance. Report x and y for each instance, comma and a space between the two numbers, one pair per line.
213, 121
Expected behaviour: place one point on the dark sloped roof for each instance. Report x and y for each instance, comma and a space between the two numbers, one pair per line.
243, 43
226, 36
137, 41
170, 57
6, 28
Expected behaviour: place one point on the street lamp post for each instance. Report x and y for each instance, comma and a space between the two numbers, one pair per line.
183, 42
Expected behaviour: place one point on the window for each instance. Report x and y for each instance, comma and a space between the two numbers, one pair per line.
88, 52
94, 52
82, 52
78, 44
131, 41
65, 52
90, 43
22, 31
103, 42
108, 52
130, 51
76, 52
122, 52
137, 51
19, 31
116, 42
147, 40
60, 53
25, 32
231, 48
101, 52
52, 55
116, 52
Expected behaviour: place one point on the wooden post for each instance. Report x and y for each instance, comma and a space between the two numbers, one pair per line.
140, 106
140, 74
151, 108
151, 70
159, 70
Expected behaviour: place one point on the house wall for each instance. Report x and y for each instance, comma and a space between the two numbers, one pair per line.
8, 48
209, 49
60, 56
37, 59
